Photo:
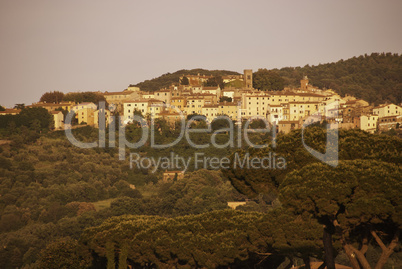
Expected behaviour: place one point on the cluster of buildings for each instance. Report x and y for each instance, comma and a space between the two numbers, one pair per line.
288, 109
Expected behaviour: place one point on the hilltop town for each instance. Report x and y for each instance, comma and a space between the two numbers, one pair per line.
287, 109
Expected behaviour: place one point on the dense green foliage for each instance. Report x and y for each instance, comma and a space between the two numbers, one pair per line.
376, 78
52, 97
356, 199
79, 97
27, 126
66, 207
184, 81
168, 79
353, 144
48, 189
268, 80
215, 82
209, 240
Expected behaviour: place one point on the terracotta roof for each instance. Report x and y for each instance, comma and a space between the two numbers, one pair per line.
211, 106
388, 117
140, 100
10, 111
85, 103
282, 93
381, 106
287, 93
118, 93
275, 105
227, 104
257, 95
50, 104
152, 100
303, 102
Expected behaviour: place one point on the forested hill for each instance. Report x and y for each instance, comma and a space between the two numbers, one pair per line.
167, 79
376, 78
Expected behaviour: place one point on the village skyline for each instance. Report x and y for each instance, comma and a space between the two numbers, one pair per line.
103, 46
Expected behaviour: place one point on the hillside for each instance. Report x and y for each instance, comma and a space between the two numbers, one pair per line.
167, 79
376, 78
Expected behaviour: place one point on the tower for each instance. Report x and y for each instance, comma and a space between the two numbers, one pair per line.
304, 83
248, 78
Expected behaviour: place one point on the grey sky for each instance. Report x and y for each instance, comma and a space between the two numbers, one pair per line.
104, 45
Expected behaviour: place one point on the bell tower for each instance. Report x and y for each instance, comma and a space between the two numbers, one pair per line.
304, 83
248, 78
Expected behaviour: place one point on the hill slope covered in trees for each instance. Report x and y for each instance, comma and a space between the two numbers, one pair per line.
167, 79
376, 78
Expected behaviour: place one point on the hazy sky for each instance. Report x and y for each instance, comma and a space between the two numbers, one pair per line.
83, 45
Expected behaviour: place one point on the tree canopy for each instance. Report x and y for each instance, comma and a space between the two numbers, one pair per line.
353, 144
52, 97
80, 97
359, 199
375, 78
268, 80
168, 79
184, 81
215, 82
